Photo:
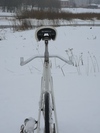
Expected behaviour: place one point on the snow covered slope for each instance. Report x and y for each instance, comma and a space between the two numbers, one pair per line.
77, 89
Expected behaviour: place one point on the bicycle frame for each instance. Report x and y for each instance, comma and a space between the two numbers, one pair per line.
47, 86
46, 83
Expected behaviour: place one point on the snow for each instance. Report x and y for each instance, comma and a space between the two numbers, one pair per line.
77, 89
6, 13
81, 10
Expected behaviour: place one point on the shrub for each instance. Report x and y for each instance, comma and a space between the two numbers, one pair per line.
48, 14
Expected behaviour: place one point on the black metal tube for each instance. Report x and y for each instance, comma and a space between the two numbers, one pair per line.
46, 54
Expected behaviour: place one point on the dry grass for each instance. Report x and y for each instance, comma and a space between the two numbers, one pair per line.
24, 17
42, 14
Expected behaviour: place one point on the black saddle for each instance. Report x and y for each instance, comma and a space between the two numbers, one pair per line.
45, 33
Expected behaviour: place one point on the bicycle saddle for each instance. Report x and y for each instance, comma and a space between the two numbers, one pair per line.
45, 33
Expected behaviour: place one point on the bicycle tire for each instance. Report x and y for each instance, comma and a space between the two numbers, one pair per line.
54, 129
47, 125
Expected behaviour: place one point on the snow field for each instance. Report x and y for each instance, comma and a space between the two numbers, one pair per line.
77, 90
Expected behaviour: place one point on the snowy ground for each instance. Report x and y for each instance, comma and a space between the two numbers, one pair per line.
77, 89
81, 10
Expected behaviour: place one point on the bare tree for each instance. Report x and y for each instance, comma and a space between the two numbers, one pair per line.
13, 5
89, 1
48, 4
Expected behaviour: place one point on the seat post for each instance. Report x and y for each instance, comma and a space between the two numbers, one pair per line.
46, 33
46, 54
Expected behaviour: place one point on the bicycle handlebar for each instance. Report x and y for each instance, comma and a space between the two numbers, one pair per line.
22, 62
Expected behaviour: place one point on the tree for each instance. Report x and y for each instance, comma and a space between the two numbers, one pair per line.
98, 1
48, 4
72, 3
10, 5
13, 5
89, 1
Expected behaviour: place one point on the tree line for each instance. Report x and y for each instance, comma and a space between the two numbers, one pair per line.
15, 5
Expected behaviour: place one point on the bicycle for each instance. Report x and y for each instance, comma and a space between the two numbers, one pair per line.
47, 99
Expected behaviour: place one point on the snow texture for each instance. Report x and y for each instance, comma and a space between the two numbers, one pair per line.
77, 89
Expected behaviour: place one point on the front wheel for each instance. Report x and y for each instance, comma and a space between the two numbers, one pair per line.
47, 125
54, 129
